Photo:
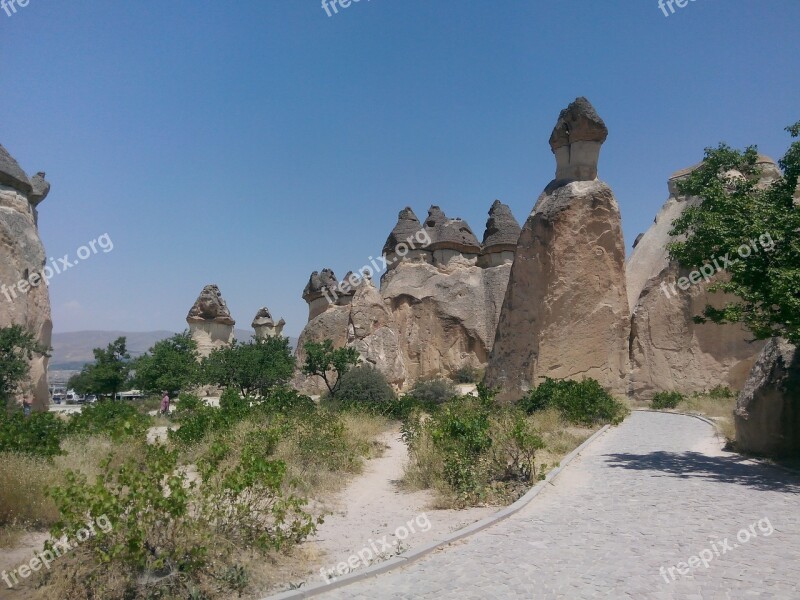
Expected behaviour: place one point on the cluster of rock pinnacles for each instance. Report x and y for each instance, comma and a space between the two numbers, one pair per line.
553, 298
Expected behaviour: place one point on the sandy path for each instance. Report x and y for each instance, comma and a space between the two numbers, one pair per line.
372, 515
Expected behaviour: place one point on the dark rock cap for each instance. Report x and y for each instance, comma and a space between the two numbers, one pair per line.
452, 234
407, 226
11, 173
502, 229
263, 318
579, 122
40, 189
210, 306
318, 283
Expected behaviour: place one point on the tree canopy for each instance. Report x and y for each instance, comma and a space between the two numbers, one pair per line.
256, 367
171, 365
329, 363
737, 211
108, 374
17, 348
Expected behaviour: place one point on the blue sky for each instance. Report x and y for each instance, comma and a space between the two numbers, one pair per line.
249, 143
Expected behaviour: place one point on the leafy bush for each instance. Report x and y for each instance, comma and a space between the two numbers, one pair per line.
39, 434
117, 419
721, 393
666, 400
170, 537
365, 386
467, 374
474, 450
580, 402
256, 367
433, 391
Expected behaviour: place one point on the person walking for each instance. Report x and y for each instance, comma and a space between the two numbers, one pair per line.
26, 407
165, 404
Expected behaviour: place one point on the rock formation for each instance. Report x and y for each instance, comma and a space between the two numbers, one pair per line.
438, 303
264, 326
24, 296
565, 312
768, 409
210, 321
668, 350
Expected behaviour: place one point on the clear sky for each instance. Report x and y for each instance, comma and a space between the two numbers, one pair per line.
249, 143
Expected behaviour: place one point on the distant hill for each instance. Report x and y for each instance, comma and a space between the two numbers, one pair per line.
73, 350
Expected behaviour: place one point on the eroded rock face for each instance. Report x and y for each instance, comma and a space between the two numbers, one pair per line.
768, 409
436, 310
21, 256
565, 312
668, 351
265, 326
210, 321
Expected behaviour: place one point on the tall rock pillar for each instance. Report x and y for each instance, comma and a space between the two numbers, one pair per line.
210, 321
565, 313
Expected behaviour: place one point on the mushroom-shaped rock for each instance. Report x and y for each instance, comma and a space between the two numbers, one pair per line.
210, 307
11, 173
502, 229
321, 291
406, 229
210, 321
265, 326
576, 141
450, 234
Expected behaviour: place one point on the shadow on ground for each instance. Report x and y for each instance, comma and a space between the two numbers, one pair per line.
734, 470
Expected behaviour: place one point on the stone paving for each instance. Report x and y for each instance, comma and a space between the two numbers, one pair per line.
651, 493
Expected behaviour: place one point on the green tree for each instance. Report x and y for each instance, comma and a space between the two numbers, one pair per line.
258, 366
323, 360
17, 348
109, 372
737, 212
170, 365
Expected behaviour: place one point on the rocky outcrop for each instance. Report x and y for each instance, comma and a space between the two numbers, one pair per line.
265, 326
438, 303
668, 350
565, 312
210, 321
767, 412
24, 295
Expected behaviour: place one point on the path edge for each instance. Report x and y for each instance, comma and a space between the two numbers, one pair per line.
415, 555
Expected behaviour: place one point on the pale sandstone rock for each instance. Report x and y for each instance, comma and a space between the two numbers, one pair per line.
668, 351
264, 326
565, 312
210, 321
21, 255
767, 412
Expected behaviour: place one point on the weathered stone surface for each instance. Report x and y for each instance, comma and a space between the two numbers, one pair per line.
576, 141
502, 229
768, 409
210, 321
320, 292
565, 313
265, 326
668, 351
436, 310
22, 255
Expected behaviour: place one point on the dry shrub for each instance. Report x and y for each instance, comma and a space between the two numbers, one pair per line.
24, 481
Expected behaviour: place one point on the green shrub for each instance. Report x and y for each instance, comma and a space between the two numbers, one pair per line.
664, 400
114, 418
39, 434
433, 391
580, 402
364, 385
721, 393
466, 374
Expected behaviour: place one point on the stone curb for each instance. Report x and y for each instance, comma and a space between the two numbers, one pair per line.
415, 555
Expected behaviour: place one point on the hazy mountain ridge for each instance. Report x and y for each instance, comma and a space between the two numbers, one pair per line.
74, 349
